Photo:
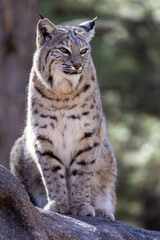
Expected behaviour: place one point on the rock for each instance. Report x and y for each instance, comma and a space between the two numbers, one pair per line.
21, 220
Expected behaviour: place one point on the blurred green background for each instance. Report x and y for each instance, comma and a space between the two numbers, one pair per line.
126, 53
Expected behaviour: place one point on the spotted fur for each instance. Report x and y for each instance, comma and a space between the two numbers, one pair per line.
64, 158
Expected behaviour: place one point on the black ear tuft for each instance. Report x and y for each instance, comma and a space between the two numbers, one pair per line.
92, 23
41, 17
89, 25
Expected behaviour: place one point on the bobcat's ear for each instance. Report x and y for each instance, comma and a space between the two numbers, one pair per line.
45, 30
89, 27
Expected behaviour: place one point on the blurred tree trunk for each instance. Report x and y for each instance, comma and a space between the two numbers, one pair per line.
18, 20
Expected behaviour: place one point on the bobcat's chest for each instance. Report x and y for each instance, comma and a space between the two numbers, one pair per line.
66, 136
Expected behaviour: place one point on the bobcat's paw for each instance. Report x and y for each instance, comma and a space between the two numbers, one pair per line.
104, 214
57, 207
83, 209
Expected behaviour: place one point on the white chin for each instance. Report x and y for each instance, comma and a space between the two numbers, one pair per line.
73, 79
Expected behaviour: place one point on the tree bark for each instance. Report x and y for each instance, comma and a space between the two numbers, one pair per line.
18, 20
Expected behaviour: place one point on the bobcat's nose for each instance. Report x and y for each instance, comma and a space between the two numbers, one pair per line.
77, 65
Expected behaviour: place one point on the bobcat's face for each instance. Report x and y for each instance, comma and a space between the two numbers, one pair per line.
73, 54
62, 53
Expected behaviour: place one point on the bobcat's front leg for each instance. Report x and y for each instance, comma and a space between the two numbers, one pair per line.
53, 176
81, 172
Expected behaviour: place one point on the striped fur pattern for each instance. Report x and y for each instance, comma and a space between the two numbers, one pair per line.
64, 158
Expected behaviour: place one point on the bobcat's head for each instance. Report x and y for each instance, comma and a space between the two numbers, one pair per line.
63, 52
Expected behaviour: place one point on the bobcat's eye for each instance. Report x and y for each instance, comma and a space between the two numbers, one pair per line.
83, 51
64, 50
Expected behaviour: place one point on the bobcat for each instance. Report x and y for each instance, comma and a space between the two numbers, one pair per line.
63, 158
